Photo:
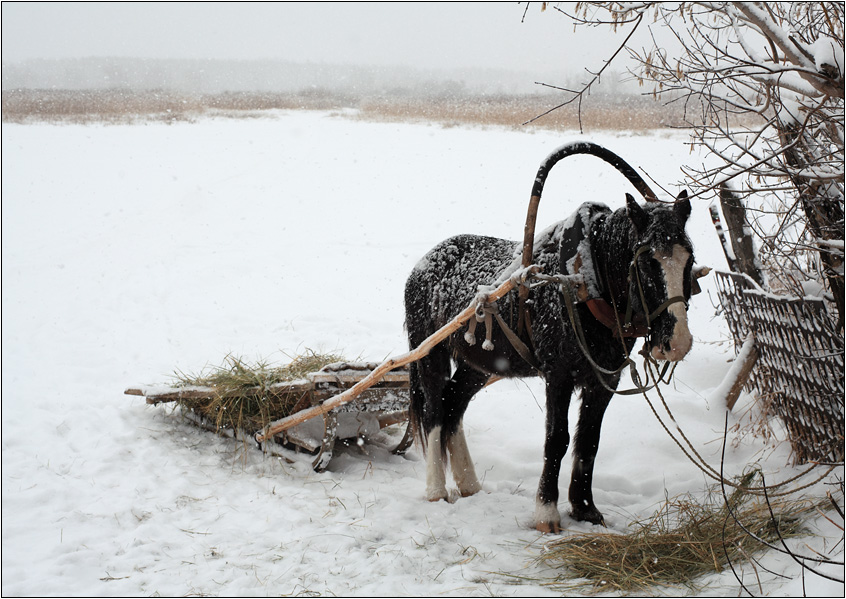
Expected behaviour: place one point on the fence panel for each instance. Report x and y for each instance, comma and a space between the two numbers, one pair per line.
800, 368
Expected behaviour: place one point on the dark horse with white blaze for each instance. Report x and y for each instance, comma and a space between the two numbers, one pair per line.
637, 256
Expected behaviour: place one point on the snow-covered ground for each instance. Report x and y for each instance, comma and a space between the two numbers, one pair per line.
131, 251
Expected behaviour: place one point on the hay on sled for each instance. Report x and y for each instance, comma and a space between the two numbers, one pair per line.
248, 396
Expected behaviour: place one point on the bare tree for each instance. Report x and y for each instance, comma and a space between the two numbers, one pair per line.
763, 90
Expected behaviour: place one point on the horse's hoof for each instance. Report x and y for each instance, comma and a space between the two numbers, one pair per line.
469, 488
553, 528
592, 515
437, 495
547, 518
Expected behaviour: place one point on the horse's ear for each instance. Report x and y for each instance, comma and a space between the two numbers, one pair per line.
682, 206
636, 214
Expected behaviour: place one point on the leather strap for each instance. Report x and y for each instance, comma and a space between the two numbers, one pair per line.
517, 343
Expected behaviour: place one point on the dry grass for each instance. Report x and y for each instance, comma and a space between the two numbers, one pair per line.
127, 106
630, 113
627, 113
247, 395
683, 541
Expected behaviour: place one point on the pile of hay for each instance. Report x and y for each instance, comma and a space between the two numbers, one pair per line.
249, 396
684, 540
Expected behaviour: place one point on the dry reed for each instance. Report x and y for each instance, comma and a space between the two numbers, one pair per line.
121, 106
629, 113
118, 106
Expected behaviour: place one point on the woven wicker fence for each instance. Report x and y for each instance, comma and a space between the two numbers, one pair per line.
800, 366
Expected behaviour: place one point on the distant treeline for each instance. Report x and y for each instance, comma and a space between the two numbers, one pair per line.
219, 76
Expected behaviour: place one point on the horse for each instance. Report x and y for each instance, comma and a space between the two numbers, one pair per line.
638, 257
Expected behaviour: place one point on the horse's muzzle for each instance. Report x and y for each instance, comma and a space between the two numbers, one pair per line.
674, 350
678, 345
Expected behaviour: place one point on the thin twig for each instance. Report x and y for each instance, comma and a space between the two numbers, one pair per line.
578, 95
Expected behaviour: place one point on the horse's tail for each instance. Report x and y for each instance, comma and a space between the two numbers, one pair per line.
413, 326
417, 404
427, 375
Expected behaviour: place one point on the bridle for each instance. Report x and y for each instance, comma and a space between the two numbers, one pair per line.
628, 325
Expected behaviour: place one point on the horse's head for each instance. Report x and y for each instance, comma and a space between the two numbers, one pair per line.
660, 274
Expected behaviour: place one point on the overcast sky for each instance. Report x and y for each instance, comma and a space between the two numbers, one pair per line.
426, 35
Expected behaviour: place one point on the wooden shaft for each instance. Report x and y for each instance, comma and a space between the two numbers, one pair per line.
528, 251
390, 364
529, 230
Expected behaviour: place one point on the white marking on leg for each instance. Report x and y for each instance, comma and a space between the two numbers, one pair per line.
435, 474
463, 471
547, 516
673, 267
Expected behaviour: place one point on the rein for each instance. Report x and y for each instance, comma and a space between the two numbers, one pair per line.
599, 371
620, 332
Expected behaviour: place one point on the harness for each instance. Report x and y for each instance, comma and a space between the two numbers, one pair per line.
577, 257
573, 289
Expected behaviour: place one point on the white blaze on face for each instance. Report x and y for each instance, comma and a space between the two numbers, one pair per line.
673, 266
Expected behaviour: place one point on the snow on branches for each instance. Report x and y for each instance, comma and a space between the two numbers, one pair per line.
763, 90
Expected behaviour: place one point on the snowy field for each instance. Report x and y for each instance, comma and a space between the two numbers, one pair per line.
131, 251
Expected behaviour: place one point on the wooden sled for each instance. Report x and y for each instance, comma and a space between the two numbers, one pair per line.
383, 404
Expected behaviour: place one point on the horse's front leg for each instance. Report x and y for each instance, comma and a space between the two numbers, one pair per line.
558, 392
585, 446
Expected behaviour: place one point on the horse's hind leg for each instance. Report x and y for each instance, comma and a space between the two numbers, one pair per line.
438, 404
586, 443
463, 471
461, 388
429, 377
